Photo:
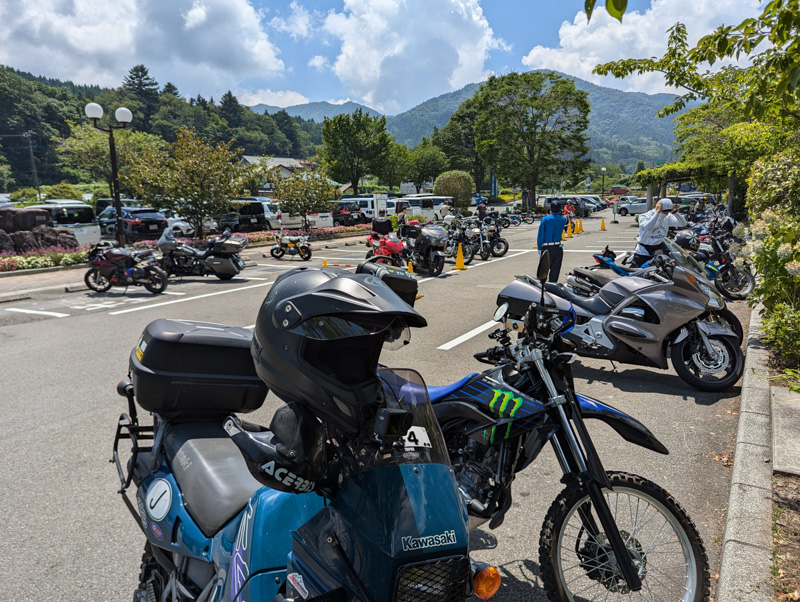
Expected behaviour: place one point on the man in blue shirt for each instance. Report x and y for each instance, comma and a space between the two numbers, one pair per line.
549, 239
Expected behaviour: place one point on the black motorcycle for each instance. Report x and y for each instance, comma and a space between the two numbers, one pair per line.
220, 258
110, 265
425, 246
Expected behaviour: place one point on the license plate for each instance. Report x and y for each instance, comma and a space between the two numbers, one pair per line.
153, 226
253, 220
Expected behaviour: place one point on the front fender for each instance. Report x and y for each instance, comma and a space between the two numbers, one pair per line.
709, 329
626, 426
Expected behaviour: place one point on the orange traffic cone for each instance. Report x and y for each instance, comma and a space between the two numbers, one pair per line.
562, 235
580, 225
603, 225
324, 263
410, 267
569, 230
460, 259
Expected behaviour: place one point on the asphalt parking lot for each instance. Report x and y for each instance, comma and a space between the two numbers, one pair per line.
67, 534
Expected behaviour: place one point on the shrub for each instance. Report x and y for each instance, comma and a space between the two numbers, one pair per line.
781, 328
24, 196
63, 191
506, 192
456, 184
43, 258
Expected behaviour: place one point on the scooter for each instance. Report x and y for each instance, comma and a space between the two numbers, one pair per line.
221, 257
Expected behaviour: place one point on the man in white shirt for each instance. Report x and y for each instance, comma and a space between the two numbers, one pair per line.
653, 228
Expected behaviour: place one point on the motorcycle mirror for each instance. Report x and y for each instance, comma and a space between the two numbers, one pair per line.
500, 313
544, 266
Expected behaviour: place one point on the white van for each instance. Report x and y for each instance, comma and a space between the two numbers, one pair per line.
75, 215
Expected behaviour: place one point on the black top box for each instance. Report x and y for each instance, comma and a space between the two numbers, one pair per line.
185, 370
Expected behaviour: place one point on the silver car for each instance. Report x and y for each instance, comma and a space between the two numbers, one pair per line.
632, 207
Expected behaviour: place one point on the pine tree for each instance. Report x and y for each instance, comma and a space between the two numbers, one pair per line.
170, 88
230, 110
139, 83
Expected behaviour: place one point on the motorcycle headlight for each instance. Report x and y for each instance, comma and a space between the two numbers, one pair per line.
715, 300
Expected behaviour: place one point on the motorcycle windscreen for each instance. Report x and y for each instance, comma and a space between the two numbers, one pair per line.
398, 521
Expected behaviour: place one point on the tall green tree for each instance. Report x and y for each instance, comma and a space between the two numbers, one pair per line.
230, 110
86, 156
170, 88
145, 89
196, 180
427, 162
305, 192
354, 145
457, 140
532, 127
397, 165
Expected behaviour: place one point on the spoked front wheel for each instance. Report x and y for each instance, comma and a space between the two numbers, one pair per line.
735, 283
577, 562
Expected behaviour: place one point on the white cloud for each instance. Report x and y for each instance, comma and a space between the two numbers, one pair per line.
298, 25
200, 45
640, 35
280, 98
319, 62
340, 101
396, 54
196, 15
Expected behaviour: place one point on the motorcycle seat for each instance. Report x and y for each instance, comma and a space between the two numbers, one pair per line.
437, 393
594, 304
601, 278
210, 471
291, 238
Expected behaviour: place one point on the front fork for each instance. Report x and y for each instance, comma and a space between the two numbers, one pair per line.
586, 463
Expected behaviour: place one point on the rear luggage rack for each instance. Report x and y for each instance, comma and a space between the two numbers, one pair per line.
128, 427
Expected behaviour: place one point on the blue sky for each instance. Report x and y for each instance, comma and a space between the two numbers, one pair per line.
387, 54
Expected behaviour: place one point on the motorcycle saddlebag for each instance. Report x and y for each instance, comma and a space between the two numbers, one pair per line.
188, 370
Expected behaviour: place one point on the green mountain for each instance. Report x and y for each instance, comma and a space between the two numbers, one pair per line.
316, 111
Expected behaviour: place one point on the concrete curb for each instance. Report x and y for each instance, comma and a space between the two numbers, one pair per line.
744, 574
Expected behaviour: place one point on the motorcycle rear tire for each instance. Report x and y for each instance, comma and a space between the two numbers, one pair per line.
734, 283
225, 276
305, 253
505, 222
485, 251
436, 265
157, 280
469, 253
530, 219
95, 280
499, 247
277, 252
563, 535
687, 355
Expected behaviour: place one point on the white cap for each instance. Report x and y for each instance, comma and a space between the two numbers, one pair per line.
666, 205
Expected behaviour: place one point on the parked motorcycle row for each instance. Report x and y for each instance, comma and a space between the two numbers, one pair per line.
367, 483
426, 246
110, 265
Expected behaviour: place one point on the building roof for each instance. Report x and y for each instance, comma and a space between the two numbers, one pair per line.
285, 162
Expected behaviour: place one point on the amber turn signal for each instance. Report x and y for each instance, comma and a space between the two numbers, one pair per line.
486, 582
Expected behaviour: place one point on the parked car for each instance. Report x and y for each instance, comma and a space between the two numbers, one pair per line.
259, 213
632, 207
101, 204
619, 189
75, 215
347, 213
138, 223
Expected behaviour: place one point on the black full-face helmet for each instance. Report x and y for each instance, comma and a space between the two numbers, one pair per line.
318, 339
688, 240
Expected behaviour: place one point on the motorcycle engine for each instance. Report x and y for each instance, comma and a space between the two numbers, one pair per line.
474, 475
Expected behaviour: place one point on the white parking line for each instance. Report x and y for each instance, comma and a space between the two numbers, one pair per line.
477, 265
230, 290
467, 336
37, 312
171, 293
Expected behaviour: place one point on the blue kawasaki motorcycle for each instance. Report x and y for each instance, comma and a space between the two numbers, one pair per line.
608, 535
363, 532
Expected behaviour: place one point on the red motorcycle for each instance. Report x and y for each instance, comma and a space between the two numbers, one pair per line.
387, 248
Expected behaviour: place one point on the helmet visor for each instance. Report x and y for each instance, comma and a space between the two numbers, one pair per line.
329, 328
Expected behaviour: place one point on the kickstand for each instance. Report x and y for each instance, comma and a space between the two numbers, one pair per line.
613, 365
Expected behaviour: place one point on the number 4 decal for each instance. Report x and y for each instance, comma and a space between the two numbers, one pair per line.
416, 436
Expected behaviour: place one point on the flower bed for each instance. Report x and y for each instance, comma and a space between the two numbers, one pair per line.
43, 258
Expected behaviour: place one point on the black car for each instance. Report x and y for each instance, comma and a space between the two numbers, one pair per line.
347, 213
139, 223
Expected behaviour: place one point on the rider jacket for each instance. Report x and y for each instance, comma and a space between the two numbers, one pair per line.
653, 227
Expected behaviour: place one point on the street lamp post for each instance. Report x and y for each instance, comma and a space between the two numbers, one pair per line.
95, 112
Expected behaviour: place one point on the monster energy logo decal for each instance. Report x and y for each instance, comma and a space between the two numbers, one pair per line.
507, 399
